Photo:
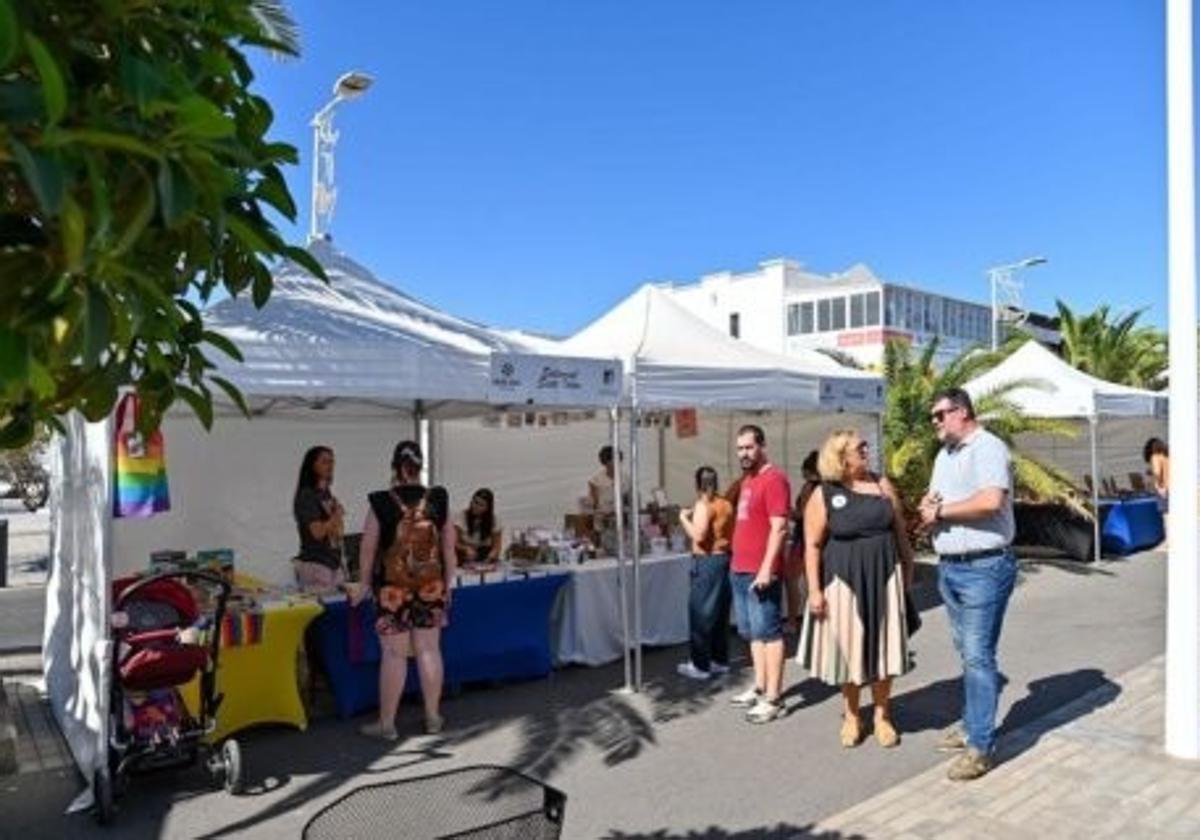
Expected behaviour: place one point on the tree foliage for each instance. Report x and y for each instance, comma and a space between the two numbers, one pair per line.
1113, 348
136, 172
912, 445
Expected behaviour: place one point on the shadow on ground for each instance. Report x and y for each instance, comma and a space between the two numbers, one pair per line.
781, 831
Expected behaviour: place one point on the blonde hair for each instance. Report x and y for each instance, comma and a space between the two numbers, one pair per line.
831, 463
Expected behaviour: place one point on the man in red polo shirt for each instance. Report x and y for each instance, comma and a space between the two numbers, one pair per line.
759, 534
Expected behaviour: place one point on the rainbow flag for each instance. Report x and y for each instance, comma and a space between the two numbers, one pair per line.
140, 478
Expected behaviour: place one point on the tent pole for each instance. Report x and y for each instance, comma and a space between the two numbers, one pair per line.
636, 531
614, 427
1092, 424
1182, 694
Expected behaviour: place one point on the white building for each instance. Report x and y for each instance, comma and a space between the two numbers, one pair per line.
782, 307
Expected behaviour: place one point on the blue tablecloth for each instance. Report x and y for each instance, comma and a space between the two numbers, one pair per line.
497, 631
1129, 525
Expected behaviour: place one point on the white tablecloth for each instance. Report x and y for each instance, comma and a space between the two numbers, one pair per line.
586, 625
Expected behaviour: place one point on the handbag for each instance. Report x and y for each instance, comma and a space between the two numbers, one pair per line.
140, 478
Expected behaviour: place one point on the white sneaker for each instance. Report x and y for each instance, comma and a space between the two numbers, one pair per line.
717, 669
375, 729
747, 698
689, 670
764, 711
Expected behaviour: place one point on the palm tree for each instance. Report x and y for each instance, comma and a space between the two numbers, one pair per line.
1113, 349
911, 444
277, 26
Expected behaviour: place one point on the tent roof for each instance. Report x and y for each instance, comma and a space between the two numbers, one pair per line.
354, 337
1057, 389
682, 361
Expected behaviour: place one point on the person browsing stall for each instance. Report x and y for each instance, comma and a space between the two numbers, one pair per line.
709, 525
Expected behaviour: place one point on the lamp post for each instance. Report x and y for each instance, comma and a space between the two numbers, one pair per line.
324, 193
1004, 281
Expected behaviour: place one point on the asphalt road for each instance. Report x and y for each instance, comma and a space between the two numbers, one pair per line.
674, 762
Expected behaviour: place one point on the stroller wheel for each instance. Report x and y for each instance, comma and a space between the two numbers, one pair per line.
231, 758
103, 792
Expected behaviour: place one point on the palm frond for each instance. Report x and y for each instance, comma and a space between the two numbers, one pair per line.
277, 26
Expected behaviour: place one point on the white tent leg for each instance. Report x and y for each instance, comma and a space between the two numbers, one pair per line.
1182, 714
636, 531
1093, 423
614, 427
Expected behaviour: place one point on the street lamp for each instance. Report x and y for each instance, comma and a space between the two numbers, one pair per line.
324, 193
1004, 281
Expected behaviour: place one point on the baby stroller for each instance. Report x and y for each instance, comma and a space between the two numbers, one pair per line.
156, 650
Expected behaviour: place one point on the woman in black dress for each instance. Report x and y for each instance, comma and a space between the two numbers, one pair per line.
859, 562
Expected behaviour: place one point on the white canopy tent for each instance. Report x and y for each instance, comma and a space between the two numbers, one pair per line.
673, 359
1054, 389
352, 364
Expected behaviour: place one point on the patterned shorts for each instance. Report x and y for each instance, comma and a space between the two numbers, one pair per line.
401, 610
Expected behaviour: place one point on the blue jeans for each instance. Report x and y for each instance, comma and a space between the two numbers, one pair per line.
976, 595
708, 610
759, 615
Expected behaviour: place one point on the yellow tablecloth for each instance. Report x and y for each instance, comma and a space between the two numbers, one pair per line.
259, 680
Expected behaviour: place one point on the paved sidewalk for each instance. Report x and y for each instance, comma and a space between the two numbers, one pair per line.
1071, 774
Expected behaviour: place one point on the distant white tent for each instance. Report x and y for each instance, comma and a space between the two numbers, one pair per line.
1057, 390
674, 359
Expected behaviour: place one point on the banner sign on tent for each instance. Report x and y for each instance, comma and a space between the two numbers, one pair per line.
686, 423
554, 380
852, 394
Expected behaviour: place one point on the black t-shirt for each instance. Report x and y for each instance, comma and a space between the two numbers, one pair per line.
313, 505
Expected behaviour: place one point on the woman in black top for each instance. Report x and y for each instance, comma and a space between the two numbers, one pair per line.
407, 562
320, 522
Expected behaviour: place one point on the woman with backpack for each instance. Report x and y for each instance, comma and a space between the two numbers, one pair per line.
407, 562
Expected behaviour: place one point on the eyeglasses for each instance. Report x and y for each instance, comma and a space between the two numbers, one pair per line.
940, 414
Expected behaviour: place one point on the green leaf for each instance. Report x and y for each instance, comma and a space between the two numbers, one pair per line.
224, 345
54, 89
142, 214
140, 79
201, 404
261, 290
101, 208
175, 194
303, 258
273, 190
14, 357
231, 390
44, 175
250, 235
96, 325
41, 382
101, 139
9, 34
74, 234
200, 117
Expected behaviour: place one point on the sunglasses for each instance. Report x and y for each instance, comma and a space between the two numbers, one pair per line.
940, 415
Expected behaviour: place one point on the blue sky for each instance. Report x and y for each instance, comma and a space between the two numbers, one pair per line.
529, 163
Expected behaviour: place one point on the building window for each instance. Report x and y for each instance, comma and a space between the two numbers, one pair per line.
889, 300
806, 318
857, 305
793, 319
735, 324
839, 313
872, 309
823, 313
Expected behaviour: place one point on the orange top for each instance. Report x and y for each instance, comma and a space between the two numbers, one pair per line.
719, 536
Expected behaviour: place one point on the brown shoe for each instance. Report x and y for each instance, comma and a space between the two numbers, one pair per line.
885, 733
952, 740
970, 765
851, 731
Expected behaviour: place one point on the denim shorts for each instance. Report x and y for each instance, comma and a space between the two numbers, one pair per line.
758, 611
